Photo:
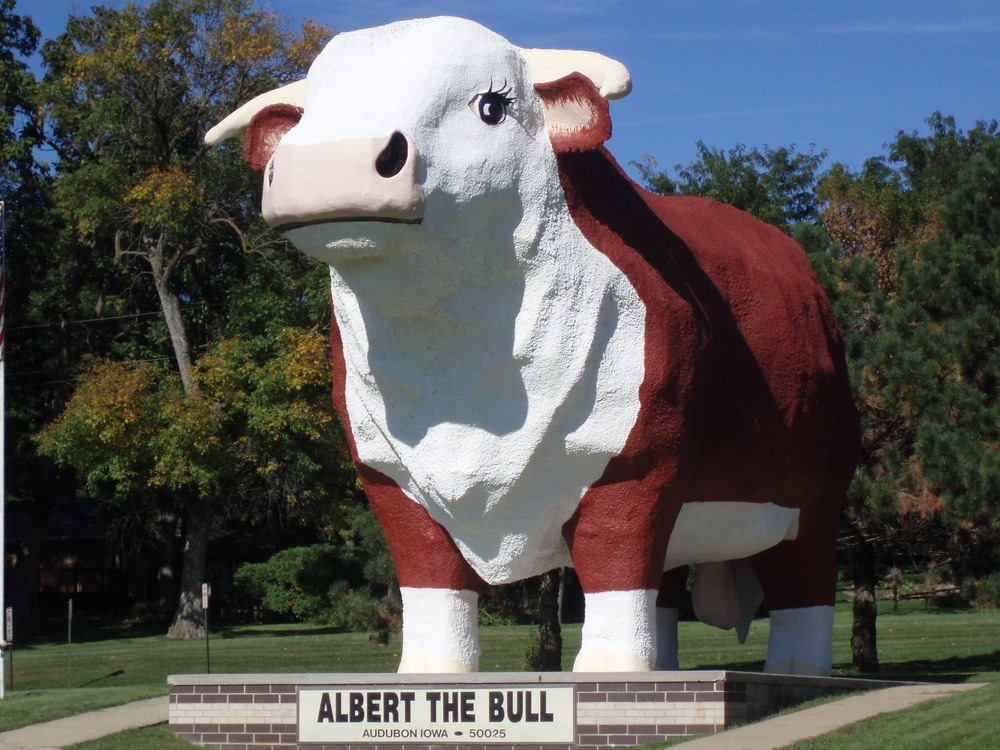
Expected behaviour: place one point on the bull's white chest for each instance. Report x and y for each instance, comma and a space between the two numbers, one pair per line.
498, 409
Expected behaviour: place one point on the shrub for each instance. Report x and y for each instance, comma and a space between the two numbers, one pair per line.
293, 583
983, 593
361, 611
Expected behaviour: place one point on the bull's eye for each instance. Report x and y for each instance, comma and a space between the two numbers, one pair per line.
491, 106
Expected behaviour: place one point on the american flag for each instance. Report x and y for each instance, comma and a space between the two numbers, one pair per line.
3, 273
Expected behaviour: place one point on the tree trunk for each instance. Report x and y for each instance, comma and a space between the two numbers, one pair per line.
863, 636
189, 619
167, 550
549, 629
171, 306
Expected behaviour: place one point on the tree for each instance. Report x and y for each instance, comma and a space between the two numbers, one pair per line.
22, 188
286, 455
256, 437
904, 272
941, 359
128, 96
549, 625
19, 132
775, 185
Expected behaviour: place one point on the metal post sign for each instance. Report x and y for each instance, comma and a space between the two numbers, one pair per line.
8, 619
404, 714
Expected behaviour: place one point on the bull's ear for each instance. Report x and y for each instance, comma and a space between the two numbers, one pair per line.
265, 130
576, 115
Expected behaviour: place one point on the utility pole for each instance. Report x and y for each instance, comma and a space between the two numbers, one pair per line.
3, 444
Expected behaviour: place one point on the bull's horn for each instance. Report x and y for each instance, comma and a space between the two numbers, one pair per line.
610, 76
236, 123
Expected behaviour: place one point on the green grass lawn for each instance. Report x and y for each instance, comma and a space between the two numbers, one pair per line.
965, 721
107, 665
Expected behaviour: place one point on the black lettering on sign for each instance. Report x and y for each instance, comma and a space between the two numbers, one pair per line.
341, 717
390, 708
357, 706
496, 706
373, 708
407, 699
450, 701
325, 709
459, 706
517, 706
468, 706
515, 714
546, 716
433, 699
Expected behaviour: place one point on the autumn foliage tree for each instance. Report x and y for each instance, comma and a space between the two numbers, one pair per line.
128, 95
913, 269
256, 436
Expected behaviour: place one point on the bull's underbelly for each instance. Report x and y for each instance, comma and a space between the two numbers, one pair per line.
727, 530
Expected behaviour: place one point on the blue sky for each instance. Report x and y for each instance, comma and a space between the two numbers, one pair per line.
845, 76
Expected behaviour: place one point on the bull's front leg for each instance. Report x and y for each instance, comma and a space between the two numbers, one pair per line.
618, 547
440, 590
440, 633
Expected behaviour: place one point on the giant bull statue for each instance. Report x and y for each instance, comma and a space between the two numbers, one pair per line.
540, 364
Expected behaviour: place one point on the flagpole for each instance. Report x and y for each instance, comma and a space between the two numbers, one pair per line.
3, 462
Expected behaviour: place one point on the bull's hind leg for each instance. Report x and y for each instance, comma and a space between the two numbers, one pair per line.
799, 580
801, 641
440, 590
668, 604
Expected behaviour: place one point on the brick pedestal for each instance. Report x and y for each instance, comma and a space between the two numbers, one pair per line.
260, 712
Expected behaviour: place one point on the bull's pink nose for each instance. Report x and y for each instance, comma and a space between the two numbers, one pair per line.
349, 180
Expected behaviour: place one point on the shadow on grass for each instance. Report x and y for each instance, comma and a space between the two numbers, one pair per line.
91, 683
952, 669
734, 666
86, 631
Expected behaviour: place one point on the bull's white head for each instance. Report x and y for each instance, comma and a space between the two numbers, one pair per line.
421, 134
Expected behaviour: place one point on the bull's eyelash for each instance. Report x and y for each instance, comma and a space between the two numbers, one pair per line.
504, 92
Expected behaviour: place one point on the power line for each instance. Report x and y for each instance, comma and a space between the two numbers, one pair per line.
83, 320
28, 383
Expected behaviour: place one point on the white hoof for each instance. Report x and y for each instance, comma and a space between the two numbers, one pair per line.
801, 641
619, 632
432, 664
610, 661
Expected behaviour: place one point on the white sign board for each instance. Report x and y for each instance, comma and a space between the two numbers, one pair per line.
9, 625
206, 592
404, 714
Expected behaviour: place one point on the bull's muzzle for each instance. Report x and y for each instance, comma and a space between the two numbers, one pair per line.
348, 180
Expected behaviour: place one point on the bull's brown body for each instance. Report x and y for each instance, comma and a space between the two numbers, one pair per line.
746, 398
